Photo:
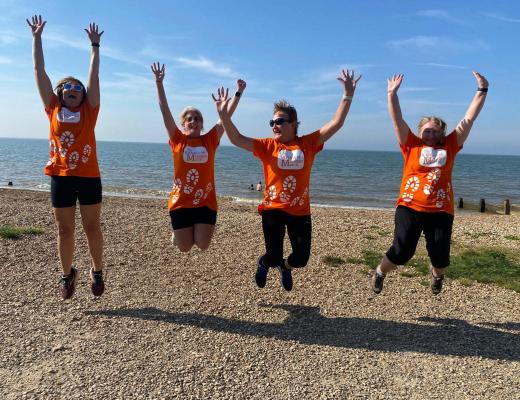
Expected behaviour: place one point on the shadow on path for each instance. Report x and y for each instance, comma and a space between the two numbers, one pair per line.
451, 337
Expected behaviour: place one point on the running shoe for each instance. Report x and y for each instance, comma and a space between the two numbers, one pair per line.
436, 282
261, 273
377, 282
68, 284
97, 285
285, 277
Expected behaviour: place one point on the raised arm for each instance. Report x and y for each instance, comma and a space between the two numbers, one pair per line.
401, 128
42, 79
464, 126
223, 109
348, 82
232, 104
159, 72
93, 74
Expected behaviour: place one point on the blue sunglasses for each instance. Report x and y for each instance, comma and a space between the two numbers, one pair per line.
68, 86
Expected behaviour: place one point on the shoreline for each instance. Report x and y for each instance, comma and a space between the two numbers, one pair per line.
470, 208
243, 200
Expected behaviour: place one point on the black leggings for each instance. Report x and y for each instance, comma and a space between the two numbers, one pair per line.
409, 224
299, 229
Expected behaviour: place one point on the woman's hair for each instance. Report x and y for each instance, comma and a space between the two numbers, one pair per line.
437, 120
284, 106
68, 79
191, 109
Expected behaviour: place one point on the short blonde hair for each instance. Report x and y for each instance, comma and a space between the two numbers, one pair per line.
438, 121
188, 110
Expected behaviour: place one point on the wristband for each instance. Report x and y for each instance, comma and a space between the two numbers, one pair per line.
238, 94
345, 97
482, 89
95, 44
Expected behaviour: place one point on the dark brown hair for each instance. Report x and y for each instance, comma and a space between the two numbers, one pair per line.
287, 108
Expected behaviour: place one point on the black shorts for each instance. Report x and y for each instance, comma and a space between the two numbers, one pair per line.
66, 190
187, 217
409, 224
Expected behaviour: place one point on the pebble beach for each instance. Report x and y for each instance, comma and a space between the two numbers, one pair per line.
194, 325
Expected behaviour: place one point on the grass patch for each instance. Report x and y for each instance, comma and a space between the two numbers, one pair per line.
12, 232
370, 258
369, 237
512, 237
476, 235
486, 265
333, 261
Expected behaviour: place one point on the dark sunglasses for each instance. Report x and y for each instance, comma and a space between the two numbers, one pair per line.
193, 119
68, 86
278, 122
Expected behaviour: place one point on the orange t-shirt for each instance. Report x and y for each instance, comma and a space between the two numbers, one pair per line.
72, 141
194, 170
426, 184
287, 172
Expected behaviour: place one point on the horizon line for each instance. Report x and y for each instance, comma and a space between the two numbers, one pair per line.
231, 145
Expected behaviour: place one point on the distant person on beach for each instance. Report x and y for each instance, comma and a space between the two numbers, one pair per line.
73, 166
259, 187
251, 187
425, 203
193, 201
287, 161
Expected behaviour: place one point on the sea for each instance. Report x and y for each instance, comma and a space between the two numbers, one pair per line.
340, 178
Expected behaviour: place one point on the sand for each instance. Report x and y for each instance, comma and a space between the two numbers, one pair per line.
188, 326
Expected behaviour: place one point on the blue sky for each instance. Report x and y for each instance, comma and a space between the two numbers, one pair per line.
290, 49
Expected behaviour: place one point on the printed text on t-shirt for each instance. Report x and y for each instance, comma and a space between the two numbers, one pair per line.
198, 155
291, 159
431, 157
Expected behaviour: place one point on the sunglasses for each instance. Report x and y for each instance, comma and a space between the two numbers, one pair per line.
278, 122
431, 131
68, 86
193, 119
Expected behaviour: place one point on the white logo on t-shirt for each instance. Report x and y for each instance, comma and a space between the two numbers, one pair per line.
197, 155
291, 159
70, 117
431, 157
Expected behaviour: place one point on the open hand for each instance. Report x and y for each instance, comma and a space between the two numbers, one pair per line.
158, 71
222, 100
93, 33
394, 82
349, 81
36, 25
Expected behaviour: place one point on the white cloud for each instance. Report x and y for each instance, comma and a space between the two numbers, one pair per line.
436, 43
207, 65
415, 41
441, 15
430, 64
82, 44
416, 89
325, 80
502, 18
7, 38
5, 60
